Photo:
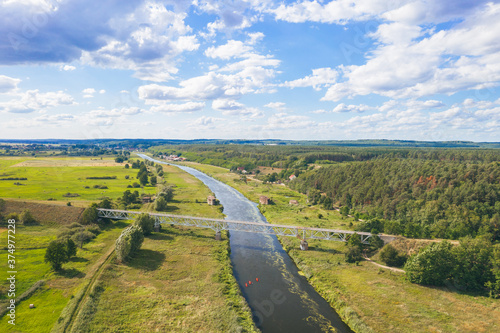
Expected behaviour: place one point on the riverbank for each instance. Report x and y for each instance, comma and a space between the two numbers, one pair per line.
368, 298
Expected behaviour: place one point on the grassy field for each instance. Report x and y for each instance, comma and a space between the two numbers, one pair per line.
369, 298
60, 287
181, 278
52, 178
281, 212
177, 283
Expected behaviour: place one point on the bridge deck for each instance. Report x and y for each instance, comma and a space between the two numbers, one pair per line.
255, 227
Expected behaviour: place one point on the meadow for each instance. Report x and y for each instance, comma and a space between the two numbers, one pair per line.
369, 298
51, 179
181, 277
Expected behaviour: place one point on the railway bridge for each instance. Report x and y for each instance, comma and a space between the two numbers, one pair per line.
303, 233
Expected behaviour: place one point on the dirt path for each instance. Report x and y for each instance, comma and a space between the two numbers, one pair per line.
383, 266
94, 274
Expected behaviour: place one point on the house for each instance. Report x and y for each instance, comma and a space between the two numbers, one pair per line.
241, 169
211, 200
146, 200
263, 200
292, 177
293, 202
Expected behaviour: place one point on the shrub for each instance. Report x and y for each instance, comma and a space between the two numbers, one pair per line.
89, 216
353, 254
392, 257
433, 265
82, 236
27, 218
94, 228
13, 216
160, 204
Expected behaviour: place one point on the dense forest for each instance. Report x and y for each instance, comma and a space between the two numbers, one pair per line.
416, 197
415, 192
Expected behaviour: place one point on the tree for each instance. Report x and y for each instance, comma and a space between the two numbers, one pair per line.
494, 284
27, 218
353, 254
128, 243
375, 242
167, 192
474, 263
70, 248
119, 159
160, 204
127, 166
354, 248
143, 178
392, 257
433, 265
105, 203
89, 216
153, 180
56, 254
146, 223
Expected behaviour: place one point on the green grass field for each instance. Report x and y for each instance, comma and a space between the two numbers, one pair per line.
370, 299
52, 178
208, 296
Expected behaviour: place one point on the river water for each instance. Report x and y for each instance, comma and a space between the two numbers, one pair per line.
281, 300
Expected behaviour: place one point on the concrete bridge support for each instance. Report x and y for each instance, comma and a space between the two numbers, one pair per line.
218, 235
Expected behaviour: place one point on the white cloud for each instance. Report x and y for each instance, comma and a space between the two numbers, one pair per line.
8, 84
233, 108
88, 92
102, 91
410, 62
184, 107
351, 108
232, 49
33, 100
284, 121
276, 105
67, 68
321, 77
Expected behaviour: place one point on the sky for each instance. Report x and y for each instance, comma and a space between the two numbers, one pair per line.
250, 69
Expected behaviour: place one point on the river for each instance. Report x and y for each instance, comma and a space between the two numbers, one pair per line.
281, 300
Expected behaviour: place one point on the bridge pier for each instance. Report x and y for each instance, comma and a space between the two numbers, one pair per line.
303, 245
218, 235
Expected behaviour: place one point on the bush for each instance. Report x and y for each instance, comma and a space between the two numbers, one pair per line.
160, 204
392, 257
433, 265
93, 229
82, 236
13, 216
89, 216
27, 218
146, 223
353, 254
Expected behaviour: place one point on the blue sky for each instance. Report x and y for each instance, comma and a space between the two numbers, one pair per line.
254, 69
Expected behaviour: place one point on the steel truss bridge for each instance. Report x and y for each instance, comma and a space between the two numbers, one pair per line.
218, 225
